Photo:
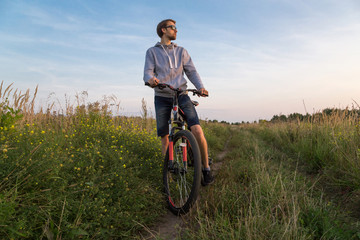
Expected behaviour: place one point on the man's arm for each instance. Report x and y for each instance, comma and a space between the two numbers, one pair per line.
149, 69
192, 74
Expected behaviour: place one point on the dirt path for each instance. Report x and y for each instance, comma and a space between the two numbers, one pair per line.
166, 225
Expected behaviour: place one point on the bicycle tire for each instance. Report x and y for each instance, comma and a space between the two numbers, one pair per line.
182, 187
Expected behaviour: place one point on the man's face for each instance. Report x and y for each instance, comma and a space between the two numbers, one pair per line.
170, 31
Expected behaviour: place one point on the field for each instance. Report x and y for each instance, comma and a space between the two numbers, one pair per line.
86, 174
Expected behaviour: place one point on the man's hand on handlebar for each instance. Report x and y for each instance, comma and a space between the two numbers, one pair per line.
203, 92
153, 82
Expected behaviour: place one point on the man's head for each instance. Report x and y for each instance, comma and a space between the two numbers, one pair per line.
166, 25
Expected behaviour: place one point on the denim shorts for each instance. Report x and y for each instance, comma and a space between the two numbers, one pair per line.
163, 106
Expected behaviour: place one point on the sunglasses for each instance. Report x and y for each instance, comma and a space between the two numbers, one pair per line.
173, 27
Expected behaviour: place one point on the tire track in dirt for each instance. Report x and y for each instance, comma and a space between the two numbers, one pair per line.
169, 227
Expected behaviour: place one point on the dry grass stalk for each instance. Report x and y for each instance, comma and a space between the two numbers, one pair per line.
18, 101
6, 90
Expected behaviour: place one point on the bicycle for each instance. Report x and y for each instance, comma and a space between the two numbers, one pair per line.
182, 164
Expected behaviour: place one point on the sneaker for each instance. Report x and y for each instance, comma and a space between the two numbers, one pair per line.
207, 178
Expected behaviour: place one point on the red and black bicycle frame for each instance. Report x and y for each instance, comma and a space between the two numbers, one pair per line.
177, 114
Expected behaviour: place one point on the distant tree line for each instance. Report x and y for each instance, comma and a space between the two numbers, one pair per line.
232, 123
327, 112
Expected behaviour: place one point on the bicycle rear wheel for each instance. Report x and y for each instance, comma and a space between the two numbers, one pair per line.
182, 178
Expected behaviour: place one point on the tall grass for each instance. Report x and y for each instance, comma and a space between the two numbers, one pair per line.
83, 174
329, 145
80, 172
257, 196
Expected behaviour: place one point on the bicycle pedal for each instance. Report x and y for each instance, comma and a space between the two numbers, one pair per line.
210, 160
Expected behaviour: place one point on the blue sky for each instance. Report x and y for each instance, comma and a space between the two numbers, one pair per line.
256, 58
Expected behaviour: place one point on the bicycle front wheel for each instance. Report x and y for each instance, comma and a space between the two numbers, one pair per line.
182, 175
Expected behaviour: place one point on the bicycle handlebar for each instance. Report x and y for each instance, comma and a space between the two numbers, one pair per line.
163, 85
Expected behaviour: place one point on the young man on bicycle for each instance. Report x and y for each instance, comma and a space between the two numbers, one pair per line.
166, 63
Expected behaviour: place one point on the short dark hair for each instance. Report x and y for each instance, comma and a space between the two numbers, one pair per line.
162, 25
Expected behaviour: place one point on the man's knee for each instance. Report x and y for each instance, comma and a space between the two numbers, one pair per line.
197, 130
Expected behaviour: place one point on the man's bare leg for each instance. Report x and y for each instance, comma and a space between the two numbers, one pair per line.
164, 144
200, 138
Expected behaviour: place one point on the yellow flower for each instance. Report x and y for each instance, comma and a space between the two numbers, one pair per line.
124, 166
5, 150
42, 132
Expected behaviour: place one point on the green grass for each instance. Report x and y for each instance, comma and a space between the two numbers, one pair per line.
89, 175
83, 175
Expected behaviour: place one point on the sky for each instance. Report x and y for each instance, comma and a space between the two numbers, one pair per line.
257, 58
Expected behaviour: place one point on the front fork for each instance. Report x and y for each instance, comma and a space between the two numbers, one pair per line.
183, 148
182, 145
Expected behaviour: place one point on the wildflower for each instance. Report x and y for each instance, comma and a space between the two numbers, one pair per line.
42, 132
124, 166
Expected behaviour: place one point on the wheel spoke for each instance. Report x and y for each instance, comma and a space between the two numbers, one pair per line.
183, 182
